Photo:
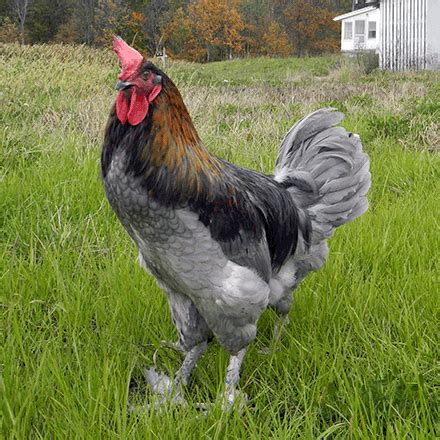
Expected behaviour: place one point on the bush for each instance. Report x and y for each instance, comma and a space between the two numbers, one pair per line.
368, 61
9, 32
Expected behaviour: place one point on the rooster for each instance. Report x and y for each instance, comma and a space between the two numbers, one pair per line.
223, 242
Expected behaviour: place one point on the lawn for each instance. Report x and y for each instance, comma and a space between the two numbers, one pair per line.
80, 320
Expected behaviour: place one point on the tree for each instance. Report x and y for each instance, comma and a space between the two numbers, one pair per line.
311, 26
194, 29
218, 25
133, 31
156, 15
233, 26
255, 15
276, 41
84, 20
180, 38
110, 18
45, 18
20, 10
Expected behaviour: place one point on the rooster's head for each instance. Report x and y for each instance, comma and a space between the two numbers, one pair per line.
138, 84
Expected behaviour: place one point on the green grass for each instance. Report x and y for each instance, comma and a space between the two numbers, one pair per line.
80, 320
254, 71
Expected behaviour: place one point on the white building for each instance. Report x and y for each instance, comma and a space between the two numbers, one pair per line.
360, 29
405, 33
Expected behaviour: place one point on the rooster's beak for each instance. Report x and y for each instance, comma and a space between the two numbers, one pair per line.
121, 85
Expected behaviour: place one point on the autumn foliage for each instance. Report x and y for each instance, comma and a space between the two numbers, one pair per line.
276, 41
312, 26
200, 30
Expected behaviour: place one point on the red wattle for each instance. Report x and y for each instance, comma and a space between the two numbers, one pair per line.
121, 107
138, 108
135, 111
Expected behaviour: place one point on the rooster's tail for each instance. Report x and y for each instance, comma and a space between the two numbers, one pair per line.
325, 170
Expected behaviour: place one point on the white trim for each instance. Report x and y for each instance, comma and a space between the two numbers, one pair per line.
345, 31
372, 30
354, 13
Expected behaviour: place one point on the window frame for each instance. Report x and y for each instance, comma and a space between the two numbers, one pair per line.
359, 37
372, 30
345, 37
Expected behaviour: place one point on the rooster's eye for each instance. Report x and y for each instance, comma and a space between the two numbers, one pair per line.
145, 75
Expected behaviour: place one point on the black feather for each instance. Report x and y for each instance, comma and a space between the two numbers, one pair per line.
239, 204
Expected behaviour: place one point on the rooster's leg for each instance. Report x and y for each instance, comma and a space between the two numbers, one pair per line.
190, 361
171, 390
233, 377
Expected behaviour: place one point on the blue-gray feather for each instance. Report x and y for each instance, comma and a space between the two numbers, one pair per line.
327, 171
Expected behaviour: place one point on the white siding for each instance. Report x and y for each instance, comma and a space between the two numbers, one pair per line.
433, 34
404, 29
355, 43
407, 33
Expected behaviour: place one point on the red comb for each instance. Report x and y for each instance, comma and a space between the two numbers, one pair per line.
130, 58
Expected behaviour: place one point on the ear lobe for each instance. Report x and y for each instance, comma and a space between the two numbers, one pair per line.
157, 79
154, 92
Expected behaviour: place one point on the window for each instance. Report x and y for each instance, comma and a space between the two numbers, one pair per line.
359, 31
371, 29
348, 30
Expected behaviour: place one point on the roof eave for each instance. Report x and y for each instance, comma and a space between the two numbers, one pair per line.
354, 13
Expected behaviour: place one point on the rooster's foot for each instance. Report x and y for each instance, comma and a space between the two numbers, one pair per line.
165, 390
234, 398
230, 399
163, 387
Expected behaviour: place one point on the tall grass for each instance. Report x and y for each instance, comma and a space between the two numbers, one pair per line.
80, 320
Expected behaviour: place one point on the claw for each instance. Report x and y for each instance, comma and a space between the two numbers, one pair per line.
234, 397
161, 385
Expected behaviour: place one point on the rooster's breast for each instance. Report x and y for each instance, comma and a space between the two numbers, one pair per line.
179, 250
175, 246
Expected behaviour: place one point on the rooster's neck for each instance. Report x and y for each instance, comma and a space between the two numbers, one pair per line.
174, 144
173, 135
165, 152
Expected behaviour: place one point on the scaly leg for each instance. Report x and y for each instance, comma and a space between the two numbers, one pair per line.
190, 361
233, 377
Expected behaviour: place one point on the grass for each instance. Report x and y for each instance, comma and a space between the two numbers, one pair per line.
359, 358
254, 71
